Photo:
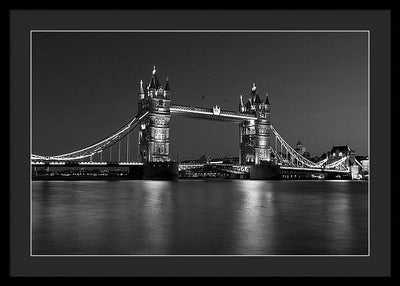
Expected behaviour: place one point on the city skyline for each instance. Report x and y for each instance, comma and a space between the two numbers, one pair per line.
85, 86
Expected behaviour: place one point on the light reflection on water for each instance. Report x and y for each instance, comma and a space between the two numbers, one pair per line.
210, 217
254, 230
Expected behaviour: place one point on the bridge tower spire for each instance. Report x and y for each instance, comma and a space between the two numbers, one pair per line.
167, 89
141, 91
154, 83
154, 131
241, 105
266, 99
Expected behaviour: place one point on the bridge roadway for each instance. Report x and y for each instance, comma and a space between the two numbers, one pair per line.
84, 164
182, 166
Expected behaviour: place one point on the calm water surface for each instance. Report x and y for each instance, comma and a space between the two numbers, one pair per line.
200, 217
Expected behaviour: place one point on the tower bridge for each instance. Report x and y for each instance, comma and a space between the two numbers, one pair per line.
263, 153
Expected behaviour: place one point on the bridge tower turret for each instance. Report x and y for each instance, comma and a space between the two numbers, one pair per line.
154, 131
241, 105
254, 134
141, 97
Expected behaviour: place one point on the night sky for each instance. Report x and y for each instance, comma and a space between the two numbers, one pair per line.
85, 86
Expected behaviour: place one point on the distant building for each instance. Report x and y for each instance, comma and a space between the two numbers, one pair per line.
206, 160
317, 159
338, 152
364, 161
365, 164
202, 160
301, 149
228, 160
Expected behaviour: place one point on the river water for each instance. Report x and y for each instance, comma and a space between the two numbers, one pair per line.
200, 217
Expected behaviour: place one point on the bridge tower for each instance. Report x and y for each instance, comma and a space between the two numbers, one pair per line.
254, 134
154, 130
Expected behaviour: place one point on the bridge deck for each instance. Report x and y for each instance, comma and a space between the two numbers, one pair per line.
84, 164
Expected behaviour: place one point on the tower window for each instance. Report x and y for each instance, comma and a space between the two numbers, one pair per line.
159, 134
160, 103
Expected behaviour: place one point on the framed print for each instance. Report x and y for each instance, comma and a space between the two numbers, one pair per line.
184, 147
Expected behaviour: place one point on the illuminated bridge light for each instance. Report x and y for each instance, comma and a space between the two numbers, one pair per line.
57, 163
98, 163
130, 163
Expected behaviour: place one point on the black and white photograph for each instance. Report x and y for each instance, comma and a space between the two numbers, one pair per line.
200, 142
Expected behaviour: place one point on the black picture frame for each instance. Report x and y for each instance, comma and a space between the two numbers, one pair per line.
378, 22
